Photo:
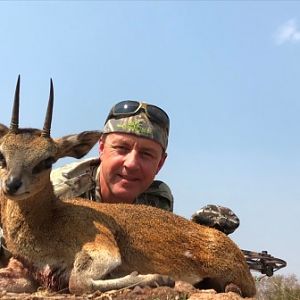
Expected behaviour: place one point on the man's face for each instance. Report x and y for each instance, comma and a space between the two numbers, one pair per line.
128, 166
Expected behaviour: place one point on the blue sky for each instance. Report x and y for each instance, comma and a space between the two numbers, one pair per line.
226, 72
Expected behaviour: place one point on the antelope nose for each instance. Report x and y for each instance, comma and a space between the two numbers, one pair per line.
13, 184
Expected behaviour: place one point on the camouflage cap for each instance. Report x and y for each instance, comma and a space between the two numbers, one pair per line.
216, 216
140, 125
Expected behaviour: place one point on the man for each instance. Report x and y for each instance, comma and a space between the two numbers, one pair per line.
132, 151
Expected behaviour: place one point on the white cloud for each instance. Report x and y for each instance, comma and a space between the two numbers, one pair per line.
288, 32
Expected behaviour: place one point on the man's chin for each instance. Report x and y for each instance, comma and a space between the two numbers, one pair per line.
125, 196
125, 190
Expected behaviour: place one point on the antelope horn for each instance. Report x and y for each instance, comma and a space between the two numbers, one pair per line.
48, 118
14, 124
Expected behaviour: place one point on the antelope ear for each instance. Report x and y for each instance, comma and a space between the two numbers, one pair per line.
77, 145
3, 130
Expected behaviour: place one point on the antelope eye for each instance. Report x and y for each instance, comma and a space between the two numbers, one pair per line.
2, 161
43, 165
48, 162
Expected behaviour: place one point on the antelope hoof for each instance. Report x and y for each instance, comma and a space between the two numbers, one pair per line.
231, 287
161, 280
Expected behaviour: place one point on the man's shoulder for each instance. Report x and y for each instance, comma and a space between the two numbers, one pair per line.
75, 179
158, 194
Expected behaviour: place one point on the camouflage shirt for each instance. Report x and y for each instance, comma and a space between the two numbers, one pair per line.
81, 179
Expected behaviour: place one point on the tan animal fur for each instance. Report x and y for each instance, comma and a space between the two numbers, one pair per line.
87, 246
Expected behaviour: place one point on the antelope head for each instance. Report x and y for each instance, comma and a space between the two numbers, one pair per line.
27, 154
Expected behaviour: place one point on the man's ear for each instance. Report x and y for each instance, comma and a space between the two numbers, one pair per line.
3, 130
162, 161
101, 144
77, 145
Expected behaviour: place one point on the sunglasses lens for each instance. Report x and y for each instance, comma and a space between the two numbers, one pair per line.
158, 115
126, 107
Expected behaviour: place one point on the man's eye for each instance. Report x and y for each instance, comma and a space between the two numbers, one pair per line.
121, 148
147, 154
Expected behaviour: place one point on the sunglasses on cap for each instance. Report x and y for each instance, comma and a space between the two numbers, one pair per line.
130, 108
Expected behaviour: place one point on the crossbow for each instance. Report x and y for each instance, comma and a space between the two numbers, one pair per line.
263, 262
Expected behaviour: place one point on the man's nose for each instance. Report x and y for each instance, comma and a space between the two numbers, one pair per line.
132, 160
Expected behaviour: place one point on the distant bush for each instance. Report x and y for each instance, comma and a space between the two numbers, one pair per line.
278, 287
